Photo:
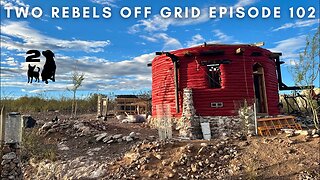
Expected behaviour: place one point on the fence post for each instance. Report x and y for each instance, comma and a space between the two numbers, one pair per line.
255, 118
2, 127
99, 107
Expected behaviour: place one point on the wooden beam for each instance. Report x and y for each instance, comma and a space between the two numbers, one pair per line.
212, 53
176, 95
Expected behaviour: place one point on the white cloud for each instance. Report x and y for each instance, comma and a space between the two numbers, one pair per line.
195, 40
35, 87
32, 39
10, 61
157, 23
13, 3
170, 43
242, 3
59, 28
298, 24
290, 48
100, 74
36, 91
222, 37
105, 2
149, 38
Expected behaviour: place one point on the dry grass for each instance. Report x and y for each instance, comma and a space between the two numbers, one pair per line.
251, 169
42, 104
34, 146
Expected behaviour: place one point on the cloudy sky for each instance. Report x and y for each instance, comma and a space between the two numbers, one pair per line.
113, 52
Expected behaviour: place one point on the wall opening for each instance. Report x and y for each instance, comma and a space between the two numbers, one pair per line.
214, 75
259, 88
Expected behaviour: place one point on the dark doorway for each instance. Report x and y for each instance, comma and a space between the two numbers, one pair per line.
259, 89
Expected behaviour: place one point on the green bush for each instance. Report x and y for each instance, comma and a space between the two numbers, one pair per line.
42, 104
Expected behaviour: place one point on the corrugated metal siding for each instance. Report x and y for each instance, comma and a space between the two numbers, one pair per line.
237, 80
162, 83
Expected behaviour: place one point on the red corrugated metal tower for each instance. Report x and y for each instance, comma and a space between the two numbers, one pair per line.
220, 76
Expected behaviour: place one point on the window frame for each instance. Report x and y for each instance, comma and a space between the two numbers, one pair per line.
214, 75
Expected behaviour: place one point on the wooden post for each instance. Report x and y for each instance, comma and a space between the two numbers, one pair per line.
106, 104
2, 128
99, 106
2, 125
176, 86
255, 118
175, 60
278, 63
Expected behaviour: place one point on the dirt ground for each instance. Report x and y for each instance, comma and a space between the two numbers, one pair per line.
275, 157
81, 144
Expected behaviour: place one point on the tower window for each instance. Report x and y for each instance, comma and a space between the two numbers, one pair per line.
214, 75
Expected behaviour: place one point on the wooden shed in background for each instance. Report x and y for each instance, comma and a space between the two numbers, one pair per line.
219, 75
131, 104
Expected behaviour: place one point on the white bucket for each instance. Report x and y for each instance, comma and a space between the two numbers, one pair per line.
205, 127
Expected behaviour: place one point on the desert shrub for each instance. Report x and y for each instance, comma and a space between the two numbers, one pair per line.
42, 104
34, 146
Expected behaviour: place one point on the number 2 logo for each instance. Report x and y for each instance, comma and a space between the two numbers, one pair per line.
49, 68
34, 57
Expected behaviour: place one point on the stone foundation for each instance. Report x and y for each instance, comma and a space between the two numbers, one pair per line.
189, 123
10, 162
221, 126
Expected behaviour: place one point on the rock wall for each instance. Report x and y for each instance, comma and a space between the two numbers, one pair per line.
10, 162
246, 114
223, 126
189, 123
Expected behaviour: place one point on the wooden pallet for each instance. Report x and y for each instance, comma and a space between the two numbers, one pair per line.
272, 126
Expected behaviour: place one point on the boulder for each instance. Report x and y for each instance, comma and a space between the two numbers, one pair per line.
117, 136
101, 136
132, 134
10, 156
46, 126
315, 136
106, 139
128, 138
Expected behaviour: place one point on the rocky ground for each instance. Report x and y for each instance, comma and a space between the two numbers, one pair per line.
94, 149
